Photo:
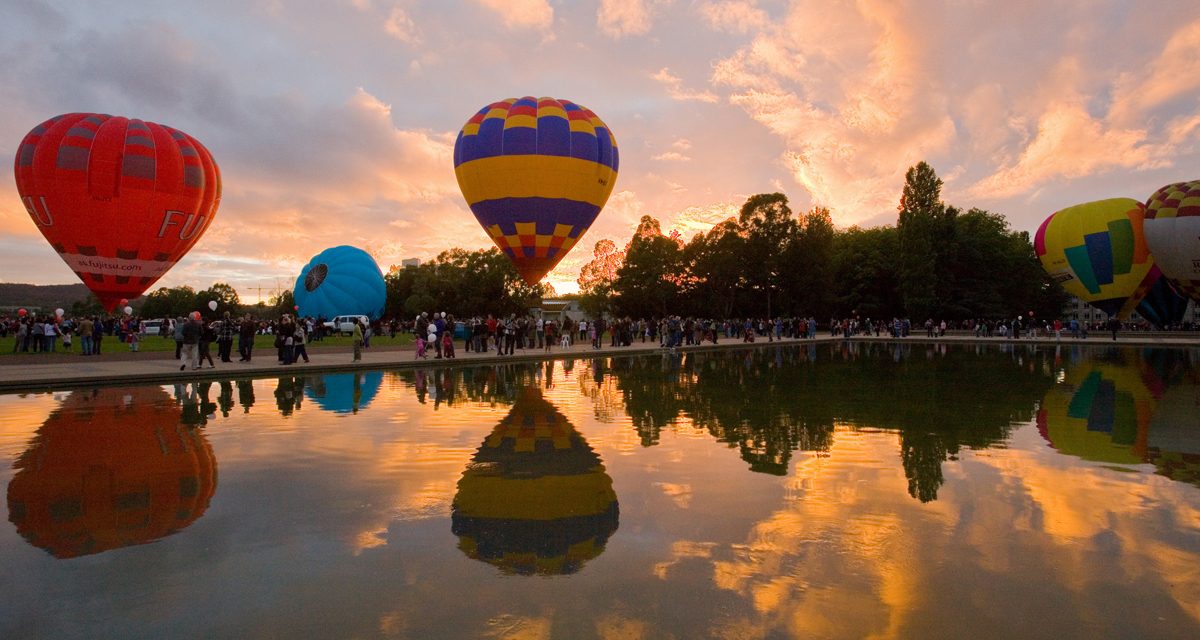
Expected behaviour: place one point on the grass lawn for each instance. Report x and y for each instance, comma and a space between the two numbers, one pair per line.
158, 343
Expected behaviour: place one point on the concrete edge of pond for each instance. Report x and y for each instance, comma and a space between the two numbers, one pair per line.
95, 372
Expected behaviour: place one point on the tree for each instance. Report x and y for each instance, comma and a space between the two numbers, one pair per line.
89, 306
647, 283
921, 215
808, 266
769, 227
864, 267
715, 263
169, 302
283, 302
225, 296
597, 276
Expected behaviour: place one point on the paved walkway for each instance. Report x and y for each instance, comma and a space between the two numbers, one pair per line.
159, 368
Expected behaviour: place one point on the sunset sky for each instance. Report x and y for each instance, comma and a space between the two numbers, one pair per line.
333, 121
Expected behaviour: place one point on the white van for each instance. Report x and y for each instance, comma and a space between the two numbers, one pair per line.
345, 324
153, 327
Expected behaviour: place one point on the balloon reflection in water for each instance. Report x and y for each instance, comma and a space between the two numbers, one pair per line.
536, 498
1127, 408
344, 392
111, 468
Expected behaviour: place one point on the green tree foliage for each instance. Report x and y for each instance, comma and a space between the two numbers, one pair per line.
714, 261
89, 306
865, 273
171, 302
462, 283
922, 241
597, 276
225, 296
937, 262
808, 284
647, 283
770, 228
283, 302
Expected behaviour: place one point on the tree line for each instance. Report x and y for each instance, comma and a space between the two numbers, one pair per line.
938, 262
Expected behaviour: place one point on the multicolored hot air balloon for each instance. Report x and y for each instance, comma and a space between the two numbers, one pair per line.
1099, 255
536, 498
1173, 234
1101, 411
120, 200
111, 468
341, 280
536, 172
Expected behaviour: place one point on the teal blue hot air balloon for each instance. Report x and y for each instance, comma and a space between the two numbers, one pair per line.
341, 281
344, 392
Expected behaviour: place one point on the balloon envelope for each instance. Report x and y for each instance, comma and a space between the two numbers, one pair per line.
128, 310
1097, 252
108, 469
212, 304
1100, 411
59, 312
120, 200
536, 499
341, 281
536, 172
344, 392
1173, 234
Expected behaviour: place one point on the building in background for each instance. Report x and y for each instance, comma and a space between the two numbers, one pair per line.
1079, 310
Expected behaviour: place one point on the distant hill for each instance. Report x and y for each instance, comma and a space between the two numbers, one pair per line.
41, 297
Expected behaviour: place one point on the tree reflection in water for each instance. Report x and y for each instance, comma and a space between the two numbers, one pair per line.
771, 402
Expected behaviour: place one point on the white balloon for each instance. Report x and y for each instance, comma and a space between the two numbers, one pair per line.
58, 312
128, 311
212, 304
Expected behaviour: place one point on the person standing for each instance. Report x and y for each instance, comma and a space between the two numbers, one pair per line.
37, 335
85, 335
439, 324
225, 338
246, 338
97, 334
179, 325
208, 335
50, 333
1114, 325
298, 343
358, 340
190, 343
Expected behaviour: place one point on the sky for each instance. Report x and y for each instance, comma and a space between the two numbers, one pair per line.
333, 121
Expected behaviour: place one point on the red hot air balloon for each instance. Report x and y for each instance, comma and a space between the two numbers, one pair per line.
120, 200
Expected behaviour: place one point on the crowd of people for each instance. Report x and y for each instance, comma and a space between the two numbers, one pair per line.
435, 334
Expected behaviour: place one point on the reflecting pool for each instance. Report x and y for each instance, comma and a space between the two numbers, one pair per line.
845, 491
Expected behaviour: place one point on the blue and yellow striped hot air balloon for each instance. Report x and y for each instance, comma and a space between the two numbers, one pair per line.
535, 172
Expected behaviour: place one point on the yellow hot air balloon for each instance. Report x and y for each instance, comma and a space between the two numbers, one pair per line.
1101, 411
1098, 252
536, 498
536, 172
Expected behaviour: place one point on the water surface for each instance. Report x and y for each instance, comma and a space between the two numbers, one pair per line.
841, 491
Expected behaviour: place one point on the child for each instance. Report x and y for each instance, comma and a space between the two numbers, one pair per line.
448, 343
420, 347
